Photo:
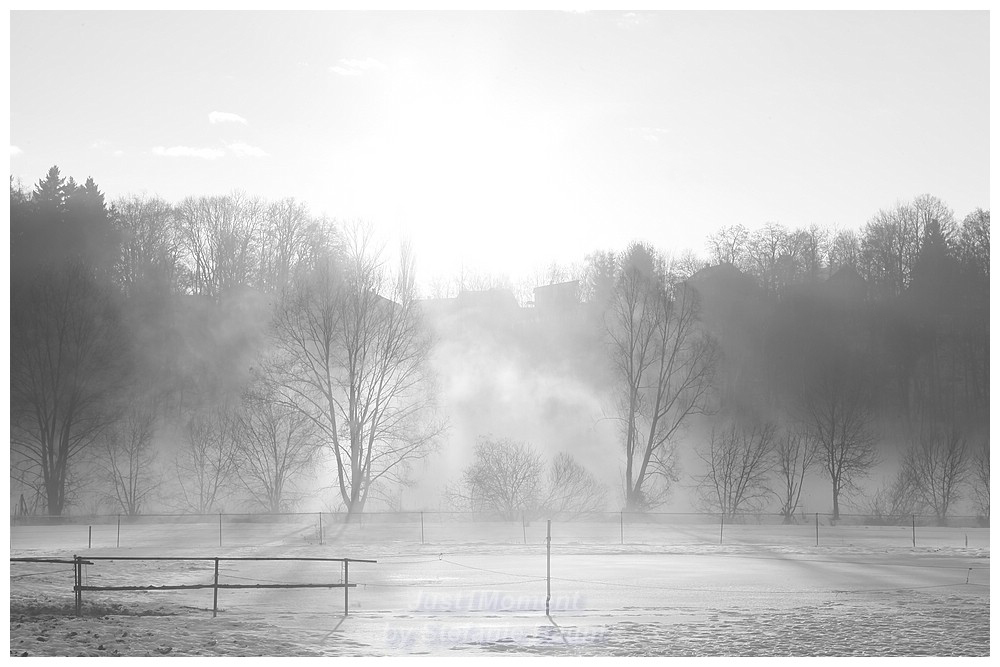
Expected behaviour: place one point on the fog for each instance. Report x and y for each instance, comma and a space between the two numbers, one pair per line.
523, 373
239, 342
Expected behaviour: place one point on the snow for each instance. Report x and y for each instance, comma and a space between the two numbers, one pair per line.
767, 590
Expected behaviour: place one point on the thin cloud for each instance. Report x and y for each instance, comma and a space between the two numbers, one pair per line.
187, 151
241, 149
224, 117
14, 150
651, 134
355, 67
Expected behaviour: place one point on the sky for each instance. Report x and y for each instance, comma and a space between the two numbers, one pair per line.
504, 142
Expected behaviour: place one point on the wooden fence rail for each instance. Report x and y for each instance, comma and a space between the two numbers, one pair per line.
78, 587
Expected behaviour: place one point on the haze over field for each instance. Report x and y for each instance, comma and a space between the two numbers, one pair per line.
660, 260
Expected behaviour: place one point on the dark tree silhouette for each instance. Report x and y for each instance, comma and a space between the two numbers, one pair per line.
795, 456
837, 414
739, 460
663, 361
69, 350
937, 466
276, 444
352, 357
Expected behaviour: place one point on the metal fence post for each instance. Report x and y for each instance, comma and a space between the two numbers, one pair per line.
913, 520
621, 525
220, 529
215, 590
817, 528
321, 528
548, 565
90, 536
77, 582
118, 539
722, 524
346, 586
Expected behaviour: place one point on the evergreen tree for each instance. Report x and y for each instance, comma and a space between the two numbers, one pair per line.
68, 347
934, 301
50, 192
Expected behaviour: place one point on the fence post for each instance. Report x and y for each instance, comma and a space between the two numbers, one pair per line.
90, 536
913, 521
77, 582
722, 524
118, 539
215, 589
621, 525
346, 587
548, 565
321, 529
817, 528
220, 529
524, 529
421, 527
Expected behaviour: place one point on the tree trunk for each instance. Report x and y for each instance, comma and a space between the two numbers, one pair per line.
54, 502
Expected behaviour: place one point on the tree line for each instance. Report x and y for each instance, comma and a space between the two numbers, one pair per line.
253, 334
259, 339
793, 355
810, 352
892, 347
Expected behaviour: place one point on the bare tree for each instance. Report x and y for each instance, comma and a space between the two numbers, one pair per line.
507, 479
740, 461
974, 332
291, 237
895, 501
812, 247
206, 464
766, 247
981, 479
572, 488
663, 361
276, 445
441, 287
352, 352
795, 455
974, 241
150, 252
845, 250
687, 264
731, 245
938, 466
890, 247
66, 354
837, 415
222, 239
598, 277
929, 209
478, 281
27, 486
504, 478
128, 462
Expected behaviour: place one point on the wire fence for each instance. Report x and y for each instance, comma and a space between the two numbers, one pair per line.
503, 576
434, 527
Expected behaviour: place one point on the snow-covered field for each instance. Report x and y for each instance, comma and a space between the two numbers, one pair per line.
670, 591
